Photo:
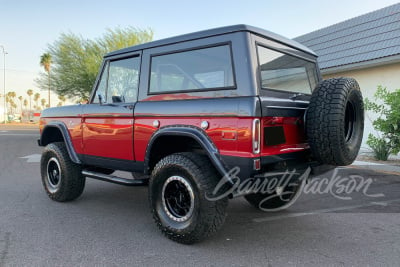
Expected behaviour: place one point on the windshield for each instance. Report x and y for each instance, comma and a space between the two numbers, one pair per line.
285, 72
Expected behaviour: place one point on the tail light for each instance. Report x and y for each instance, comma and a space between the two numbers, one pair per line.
256, 136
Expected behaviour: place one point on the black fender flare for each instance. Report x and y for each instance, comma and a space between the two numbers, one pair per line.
196, 134
43, 141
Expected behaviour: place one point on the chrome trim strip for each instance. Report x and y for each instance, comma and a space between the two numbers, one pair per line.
280, 107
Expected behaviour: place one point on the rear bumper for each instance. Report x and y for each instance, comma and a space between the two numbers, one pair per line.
291, 161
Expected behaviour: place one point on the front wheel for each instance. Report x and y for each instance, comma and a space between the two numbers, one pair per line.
177, 192
62, 179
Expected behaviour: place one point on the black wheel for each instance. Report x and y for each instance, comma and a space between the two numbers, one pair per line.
280, 199
62, 179
177, 192
335, 121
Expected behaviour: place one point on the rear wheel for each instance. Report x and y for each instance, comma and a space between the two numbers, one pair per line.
177, 192
62, 179
335, 121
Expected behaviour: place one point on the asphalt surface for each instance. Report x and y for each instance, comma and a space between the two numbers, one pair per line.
110, 225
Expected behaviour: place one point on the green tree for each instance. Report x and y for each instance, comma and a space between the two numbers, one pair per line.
45, 62
76, 60
387, 106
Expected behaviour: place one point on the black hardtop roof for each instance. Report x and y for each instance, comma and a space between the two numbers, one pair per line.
214, 32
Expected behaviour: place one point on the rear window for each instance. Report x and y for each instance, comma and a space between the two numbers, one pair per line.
194, 70
285, 72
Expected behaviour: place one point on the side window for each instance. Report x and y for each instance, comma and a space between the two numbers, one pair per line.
119, 81
285, 72
198, 69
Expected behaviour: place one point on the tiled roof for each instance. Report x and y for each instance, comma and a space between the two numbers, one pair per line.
368, 37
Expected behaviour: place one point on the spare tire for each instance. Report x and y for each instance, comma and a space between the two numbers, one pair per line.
335, 121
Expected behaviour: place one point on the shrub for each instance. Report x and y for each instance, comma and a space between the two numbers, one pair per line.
380, 147
387, 105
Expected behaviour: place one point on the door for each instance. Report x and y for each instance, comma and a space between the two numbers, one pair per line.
108, 119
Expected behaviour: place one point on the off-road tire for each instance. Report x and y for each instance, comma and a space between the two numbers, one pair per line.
197, 173
62, 179
335, 121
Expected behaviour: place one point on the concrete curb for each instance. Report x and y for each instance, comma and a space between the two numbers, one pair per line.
376, 166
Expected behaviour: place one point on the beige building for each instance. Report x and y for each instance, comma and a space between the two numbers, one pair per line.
366, 48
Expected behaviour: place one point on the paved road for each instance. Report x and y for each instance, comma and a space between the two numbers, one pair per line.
110, 225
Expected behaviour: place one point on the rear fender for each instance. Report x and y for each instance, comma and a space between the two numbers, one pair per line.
199, 136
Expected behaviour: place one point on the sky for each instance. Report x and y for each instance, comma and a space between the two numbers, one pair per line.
27, 27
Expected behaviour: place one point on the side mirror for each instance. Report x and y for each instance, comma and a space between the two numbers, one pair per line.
118, 99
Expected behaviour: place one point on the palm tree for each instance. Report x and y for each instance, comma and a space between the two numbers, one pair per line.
20, 103
43, 101
25, 105
36, 98
30, 93
10, 100
62, 99
7, 105
45, 61
13, 108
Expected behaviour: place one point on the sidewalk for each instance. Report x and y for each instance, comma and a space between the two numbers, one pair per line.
19, 126
377, 166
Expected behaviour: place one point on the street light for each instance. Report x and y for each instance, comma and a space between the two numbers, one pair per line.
4, 85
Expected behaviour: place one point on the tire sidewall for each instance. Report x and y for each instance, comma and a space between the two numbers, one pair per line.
156, 187
52, 151
72, 182
201, 178
353, 145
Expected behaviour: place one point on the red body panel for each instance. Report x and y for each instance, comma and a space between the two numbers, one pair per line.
108, 137
240, 146
295, 139
121, 138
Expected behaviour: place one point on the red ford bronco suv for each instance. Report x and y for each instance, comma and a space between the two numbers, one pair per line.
181, 113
